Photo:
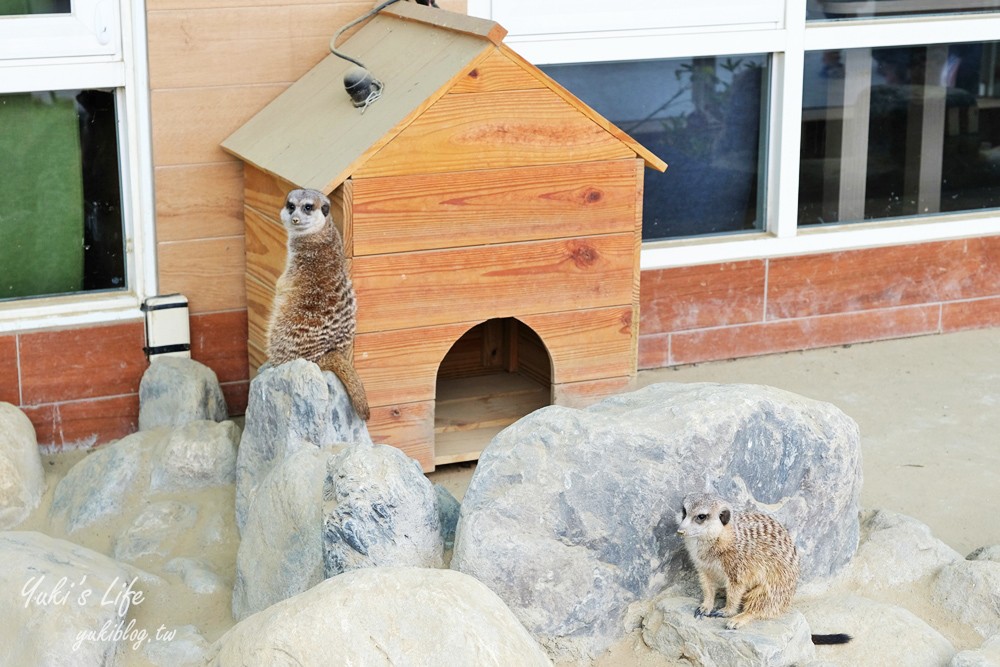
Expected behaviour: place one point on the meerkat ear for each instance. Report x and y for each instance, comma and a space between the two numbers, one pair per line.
724, 517
326, 209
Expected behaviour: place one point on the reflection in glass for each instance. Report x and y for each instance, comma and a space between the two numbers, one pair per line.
24, 7
820, 10
703, 116
900, 131
60, 208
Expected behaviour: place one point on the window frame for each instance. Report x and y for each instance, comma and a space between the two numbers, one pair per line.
787, 44
126, 72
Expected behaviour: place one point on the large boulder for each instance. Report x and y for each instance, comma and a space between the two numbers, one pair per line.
60, 603
379, 510
383, 616
177, 390
571, 515
987, 655
325, 511
22, 480
969, 590
291, 406
196, 455
883, 635
673, 631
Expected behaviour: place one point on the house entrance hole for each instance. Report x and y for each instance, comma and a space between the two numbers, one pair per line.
496, 373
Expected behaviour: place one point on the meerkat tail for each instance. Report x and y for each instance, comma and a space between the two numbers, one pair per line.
341, 364
838, 638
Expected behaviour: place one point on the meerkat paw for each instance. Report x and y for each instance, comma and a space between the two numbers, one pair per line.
736, 622
704, 610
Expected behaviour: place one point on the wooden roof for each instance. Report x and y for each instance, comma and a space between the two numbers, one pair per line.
312, 135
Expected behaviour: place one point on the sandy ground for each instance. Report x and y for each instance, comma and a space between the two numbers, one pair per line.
930, 427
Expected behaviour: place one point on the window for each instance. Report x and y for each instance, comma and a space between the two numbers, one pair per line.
75, 196
705, 114
867, 122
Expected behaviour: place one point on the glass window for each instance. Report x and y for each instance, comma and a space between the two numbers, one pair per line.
703, 116
60, 208
862, 9
900, 131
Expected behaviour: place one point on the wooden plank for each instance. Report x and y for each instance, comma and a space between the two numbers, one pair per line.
463, 132
266, 247
159, 5
462, 446
496, 73
209, 272
401, 366
492, 410
260, 299
265, 192
470, 25
178, 139
587, 344
189, 48
199, 201
582, 394
491, 385
651, 160
406, 426
422, 212
394, 291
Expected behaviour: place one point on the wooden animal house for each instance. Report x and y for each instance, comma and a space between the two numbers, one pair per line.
491, 220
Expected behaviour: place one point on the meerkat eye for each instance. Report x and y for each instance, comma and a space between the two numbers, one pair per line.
701, 518
308, 208
684, 513
290, 206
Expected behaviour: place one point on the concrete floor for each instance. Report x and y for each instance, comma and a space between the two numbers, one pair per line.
929, 413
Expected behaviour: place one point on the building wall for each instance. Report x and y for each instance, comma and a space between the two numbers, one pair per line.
214, 63
740, 309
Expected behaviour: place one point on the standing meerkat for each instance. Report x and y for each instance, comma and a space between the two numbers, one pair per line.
750, 554
314, 309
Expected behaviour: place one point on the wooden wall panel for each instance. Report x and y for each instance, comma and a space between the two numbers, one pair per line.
420, 212
265, 192
497, 73
199, 201
271, 44
260, 298
586, 344
209, 272
189, 123
462, 132
266, 242
407, 426
160, 5
439, 287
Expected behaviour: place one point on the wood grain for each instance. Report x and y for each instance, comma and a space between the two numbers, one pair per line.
586, 344
445, 286
462, 132
266, 247
209, 272
260, 298
407, 426
582, 394
421, 212
497, 73
199, 201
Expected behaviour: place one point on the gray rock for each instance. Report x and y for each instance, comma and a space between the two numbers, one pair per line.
196, 575
673, 631
291, 406
986, 553
894, 550
97, 486
196, 455
882, 635
379, 510
155, 530
53, 612
381, 616
180, 647
970, 591
22, 480
988, 655
448, 511
176, 390
571, 515
281, 550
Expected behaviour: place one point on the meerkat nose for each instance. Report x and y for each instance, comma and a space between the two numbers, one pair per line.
680, 532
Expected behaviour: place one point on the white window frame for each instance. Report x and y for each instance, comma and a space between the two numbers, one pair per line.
119, 63
787, 40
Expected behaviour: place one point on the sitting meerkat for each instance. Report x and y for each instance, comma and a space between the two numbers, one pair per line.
750, 554
314, 313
